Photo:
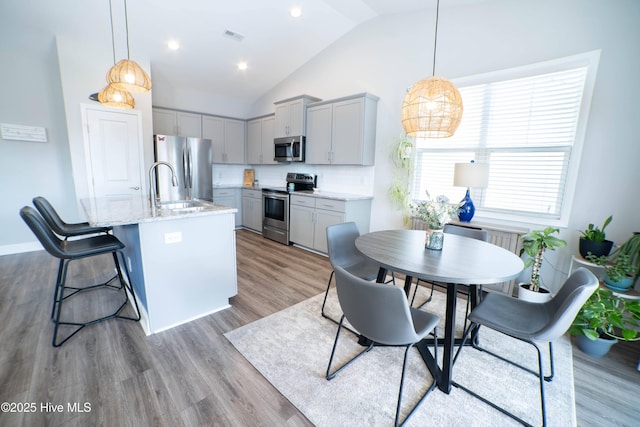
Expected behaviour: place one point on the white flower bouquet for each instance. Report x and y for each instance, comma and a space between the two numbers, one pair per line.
435, 212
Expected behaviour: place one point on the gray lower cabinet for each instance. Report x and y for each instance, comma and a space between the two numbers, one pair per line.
311, 215
230, 197
252, 209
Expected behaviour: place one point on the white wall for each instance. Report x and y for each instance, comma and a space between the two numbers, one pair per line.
32, 96
387, 55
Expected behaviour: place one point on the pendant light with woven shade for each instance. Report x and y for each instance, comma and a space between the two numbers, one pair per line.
116, 98
432, 108
112, 96
127, 74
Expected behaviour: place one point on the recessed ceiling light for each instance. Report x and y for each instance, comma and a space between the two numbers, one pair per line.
242, 65
296, 12
173, 45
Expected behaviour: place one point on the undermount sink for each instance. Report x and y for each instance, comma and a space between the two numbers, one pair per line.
182, 205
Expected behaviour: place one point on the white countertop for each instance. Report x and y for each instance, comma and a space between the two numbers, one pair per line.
331, 195
122, 210
318, 193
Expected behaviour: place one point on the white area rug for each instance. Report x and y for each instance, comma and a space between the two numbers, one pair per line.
291, 349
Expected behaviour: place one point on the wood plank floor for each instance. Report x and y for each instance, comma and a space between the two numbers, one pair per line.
191, 375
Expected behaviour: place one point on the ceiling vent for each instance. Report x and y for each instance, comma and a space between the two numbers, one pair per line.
233, 35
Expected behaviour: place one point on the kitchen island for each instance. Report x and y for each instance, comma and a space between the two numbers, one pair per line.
181, 259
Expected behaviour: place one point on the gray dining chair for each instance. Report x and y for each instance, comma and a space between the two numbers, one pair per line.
382, 314
533, 323
342, 251
472, 233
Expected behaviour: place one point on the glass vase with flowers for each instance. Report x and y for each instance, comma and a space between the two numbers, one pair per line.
435, 213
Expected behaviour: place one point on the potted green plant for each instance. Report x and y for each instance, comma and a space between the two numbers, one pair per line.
619, 272
593, 240
603, 320
631, 248
534, 244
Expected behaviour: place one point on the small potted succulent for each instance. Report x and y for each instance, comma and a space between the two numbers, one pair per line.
603, 320
534, 244
593, 240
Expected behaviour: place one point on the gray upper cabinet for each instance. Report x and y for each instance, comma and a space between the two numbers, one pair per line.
260, 141
171, 122
228, 137
342, 131
290, 117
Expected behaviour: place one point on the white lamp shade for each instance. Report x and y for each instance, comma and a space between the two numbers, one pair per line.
470, 175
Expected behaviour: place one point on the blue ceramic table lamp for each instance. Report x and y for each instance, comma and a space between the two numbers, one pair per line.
470, 175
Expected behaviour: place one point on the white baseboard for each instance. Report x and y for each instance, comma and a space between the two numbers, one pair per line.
20, 248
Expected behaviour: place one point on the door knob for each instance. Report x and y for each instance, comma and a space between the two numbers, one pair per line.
135, 188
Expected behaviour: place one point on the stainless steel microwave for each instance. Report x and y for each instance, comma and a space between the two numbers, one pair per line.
289, 149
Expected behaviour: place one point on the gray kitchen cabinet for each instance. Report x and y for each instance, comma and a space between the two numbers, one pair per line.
342, 131
301, 225
310, 216
260, 141
252, 209
172, 122
230, 197
228, 137
290, 118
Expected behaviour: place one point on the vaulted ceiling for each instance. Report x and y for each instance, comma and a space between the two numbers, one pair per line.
273, 43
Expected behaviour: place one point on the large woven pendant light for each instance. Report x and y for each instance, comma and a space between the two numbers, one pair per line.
116, 98
127, 74
111, 96
432, 108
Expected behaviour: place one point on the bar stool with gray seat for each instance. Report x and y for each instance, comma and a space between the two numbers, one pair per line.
70, 250
342, 251
383, 315
533, 323
60, 227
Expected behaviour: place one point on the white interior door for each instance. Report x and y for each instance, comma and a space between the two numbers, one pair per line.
113, 147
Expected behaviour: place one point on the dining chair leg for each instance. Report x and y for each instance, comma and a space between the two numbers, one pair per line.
324, 302
330, 375
539, 374
431, 387
416, 291
326, 294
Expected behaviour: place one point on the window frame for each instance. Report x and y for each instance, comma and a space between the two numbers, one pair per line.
588, 59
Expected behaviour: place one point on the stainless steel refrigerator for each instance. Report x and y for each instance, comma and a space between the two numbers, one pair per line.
192, 159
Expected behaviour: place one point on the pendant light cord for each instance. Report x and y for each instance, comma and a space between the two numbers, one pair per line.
126, 25
435, 39
113, 40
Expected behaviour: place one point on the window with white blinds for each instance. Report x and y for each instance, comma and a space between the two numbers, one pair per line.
527, 124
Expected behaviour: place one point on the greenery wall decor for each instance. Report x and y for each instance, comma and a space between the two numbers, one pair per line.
402, 157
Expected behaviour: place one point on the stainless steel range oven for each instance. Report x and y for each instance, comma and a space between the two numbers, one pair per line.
275, 215
275, 206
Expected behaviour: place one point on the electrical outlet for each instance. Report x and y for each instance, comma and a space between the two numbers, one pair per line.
175, 237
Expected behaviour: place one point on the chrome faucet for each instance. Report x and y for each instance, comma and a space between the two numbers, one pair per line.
153, 197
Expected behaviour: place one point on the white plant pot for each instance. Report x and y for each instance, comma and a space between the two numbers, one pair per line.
527, 295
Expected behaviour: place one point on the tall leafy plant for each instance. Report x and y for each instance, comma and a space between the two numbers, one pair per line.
534, 244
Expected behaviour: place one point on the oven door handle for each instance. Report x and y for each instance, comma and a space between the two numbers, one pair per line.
275, 196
